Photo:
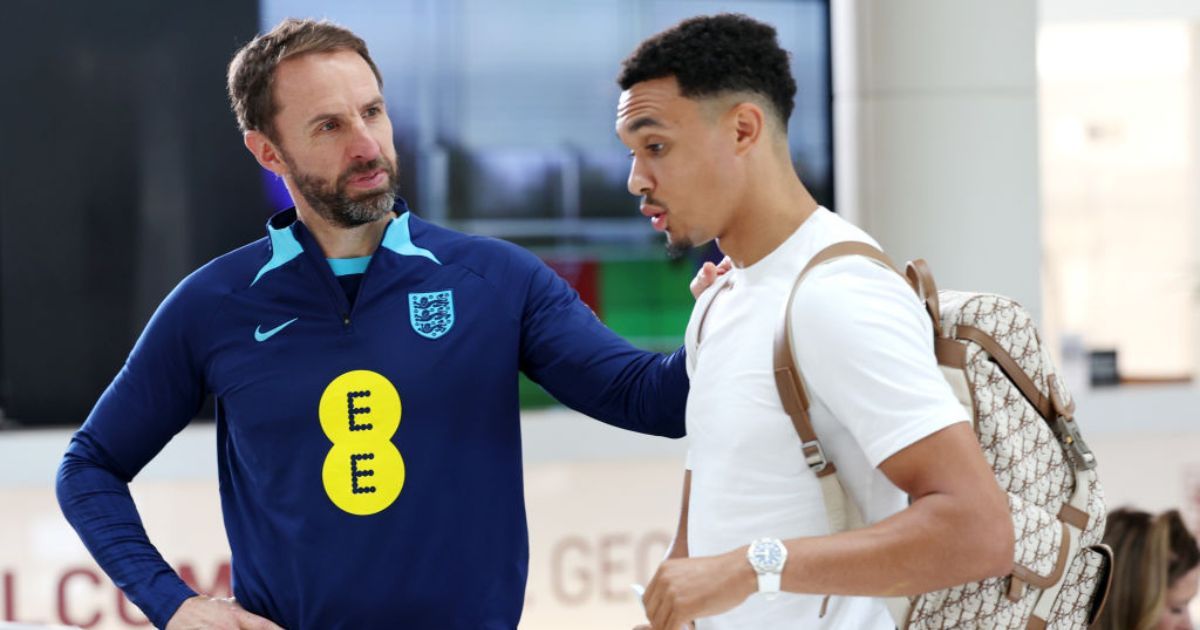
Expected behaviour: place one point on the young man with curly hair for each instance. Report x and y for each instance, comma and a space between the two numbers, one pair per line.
704, 113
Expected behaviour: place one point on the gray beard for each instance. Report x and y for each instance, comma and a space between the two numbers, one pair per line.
331, 202
339, 209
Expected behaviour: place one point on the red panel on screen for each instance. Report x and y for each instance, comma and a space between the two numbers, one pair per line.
584, 277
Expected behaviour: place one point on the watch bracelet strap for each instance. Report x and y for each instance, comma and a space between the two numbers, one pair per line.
768, 582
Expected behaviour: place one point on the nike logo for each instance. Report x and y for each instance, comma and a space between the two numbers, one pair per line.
261, 336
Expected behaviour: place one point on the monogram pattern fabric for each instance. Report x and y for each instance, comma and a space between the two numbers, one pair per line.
1032, 466
1075, 600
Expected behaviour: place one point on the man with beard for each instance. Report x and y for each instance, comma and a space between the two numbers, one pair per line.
364, 364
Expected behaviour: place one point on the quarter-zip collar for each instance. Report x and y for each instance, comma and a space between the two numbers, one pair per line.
289, 239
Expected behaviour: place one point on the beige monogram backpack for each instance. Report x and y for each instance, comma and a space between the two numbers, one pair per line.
990, 353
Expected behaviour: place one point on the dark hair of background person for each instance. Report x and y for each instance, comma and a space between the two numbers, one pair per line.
714, 55
1152, 552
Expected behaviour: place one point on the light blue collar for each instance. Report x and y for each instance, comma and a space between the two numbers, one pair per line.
399, 239
349, 266
285, 247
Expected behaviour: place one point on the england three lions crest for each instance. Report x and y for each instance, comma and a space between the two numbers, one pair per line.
431, 314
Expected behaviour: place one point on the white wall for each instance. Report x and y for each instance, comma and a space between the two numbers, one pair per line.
936, 136
1106, 10
1119, 168
1140, 103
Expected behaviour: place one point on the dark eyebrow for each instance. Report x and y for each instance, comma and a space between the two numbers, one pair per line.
641, 123
319, 117
377, 102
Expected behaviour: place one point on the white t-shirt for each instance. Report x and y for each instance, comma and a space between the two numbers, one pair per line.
865, 347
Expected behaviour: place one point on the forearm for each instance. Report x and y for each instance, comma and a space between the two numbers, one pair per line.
957, 530
614, 382
567, 350
665, 405
935, 543
679, 547
648, 393
98, 505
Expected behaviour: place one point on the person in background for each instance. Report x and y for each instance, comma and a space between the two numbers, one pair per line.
1156, 571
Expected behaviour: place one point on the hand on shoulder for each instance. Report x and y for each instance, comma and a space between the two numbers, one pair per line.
708, 274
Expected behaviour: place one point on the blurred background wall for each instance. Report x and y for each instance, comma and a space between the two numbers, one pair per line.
1045, 150
121, 172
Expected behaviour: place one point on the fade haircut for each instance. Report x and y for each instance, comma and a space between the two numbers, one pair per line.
251, 75
714, 55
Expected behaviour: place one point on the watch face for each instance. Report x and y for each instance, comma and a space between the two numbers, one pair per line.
767, 556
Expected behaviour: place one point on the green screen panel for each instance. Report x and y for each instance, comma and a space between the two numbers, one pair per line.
646, 301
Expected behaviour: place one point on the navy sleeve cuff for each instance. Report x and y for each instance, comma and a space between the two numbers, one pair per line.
170, 593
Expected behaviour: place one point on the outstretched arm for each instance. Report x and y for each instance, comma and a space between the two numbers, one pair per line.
567, 350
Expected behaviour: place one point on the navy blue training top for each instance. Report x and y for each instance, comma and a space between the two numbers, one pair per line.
369, 450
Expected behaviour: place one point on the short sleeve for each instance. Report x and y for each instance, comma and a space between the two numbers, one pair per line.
865, 346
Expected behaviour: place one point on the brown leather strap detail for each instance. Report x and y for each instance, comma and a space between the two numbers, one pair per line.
795, 402
1104, 585
1031, 577
1073, 516
1016, 589
1035, 623
920, 278
1010, 368
707, 308
841, 250
788, 379
950, 353
1056, 401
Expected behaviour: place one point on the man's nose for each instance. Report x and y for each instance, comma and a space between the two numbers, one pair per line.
639, 183
363, 146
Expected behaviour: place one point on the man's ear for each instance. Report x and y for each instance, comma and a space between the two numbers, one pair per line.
265, 151
749, 124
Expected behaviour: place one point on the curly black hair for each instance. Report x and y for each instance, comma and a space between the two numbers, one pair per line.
713, 54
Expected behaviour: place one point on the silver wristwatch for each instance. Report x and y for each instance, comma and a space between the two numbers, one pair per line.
767, 556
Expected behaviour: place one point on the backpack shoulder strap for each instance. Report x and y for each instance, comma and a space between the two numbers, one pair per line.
841, 513
788, 379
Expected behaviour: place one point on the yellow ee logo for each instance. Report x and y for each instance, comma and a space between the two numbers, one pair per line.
363, 472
